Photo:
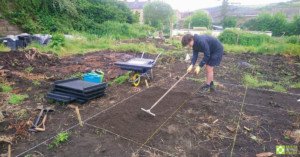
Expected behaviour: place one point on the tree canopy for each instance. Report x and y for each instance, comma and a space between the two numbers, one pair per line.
198, 19
158, 14
45, 16
229, 22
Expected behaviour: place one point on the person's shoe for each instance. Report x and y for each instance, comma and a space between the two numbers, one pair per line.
204, 89
212, 86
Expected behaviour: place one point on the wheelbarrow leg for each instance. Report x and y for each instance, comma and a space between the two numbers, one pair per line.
151, 74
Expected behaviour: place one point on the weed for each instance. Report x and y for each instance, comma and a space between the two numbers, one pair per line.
122, 79
28, 70
279, 88
181, 59
50, 146
15, 99
297, 85
5, 87
4, 48
196, 80
287, 137
62, 137
80, 75
36, 83
252, 81
28, 155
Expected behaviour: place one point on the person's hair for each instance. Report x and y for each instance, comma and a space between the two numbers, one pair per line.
186, 39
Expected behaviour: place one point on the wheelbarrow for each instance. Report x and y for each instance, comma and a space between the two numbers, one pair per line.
140, 68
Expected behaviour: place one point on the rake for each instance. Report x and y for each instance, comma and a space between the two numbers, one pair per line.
149, 110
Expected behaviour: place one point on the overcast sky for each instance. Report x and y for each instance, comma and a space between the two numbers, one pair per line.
190, 5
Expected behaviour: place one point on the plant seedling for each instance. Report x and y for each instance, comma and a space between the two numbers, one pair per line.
36, 83
28, 70
62, 137
15, 99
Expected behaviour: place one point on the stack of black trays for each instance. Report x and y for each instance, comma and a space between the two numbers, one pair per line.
76, 90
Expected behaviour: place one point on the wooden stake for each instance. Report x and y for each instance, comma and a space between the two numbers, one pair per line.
9, 151
147, 83
78, 115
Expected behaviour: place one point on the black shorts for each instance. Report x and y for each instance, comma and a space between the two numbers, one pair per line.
215, 58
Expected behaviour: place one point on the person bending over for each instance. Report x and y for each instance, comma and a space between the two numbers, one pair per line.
213, 52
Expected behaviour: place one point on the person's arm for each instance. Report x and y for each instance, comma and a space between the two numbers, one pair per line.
195, 57
206, 51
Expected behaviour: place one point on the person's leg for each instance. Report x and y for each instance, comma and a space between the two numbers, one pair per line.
209, 74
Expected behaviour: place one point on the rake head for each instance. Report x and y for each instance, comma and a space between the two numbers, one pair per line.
148, 111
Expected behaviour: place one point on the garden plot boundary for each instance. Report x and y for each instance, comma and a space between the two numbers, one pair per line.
180, 106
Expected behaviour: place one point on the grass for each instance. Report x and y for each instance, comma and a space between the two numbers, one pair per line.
122, 79
5, 87
297, 85
253, 81
82, 43
267, 48
61, 138
15, 99
279, 88
4, 48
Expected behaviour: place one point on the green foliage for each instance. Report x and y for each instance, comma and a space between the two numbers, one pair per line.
277, 23
122, 79
200, 19
36, 83
4, 48
5, 87
15, 99
187, 21
46, 16
123, 30
253, 81
80, 75
61, 138
58, 40
245, 39
279, 88
158, 14
293, 39
229, 22
83, 43
297, 85
28, 70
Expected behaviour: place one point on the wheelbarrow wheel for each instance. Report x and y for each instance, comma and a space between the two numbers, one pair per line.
136, 79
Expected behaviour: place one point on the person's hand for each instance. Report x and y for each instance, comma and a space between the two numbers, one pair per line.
190, 69
197, 70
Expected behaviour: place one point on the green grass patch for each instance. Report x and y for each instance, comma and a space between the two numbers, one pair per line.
297, 85
122, 79
253, 81
196, 80
5, 87
279, 88
15, 99
83, 43
4, 48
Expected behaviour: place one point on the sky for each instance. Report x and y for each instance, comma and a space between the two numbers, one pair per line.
191, 5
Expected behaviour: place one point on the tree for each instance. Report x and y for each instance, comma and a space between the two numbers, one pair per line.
229, 22
200, 19
279, 22
187, 22
224, 9
158, 14
264, 21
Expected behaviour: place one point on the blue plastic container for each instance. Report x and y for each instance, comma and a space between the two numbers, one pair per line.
92, 77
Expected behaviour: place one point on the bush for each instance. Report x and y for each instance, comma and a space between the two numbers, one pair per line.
245, 39
123, 30
57, 41
293, 39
